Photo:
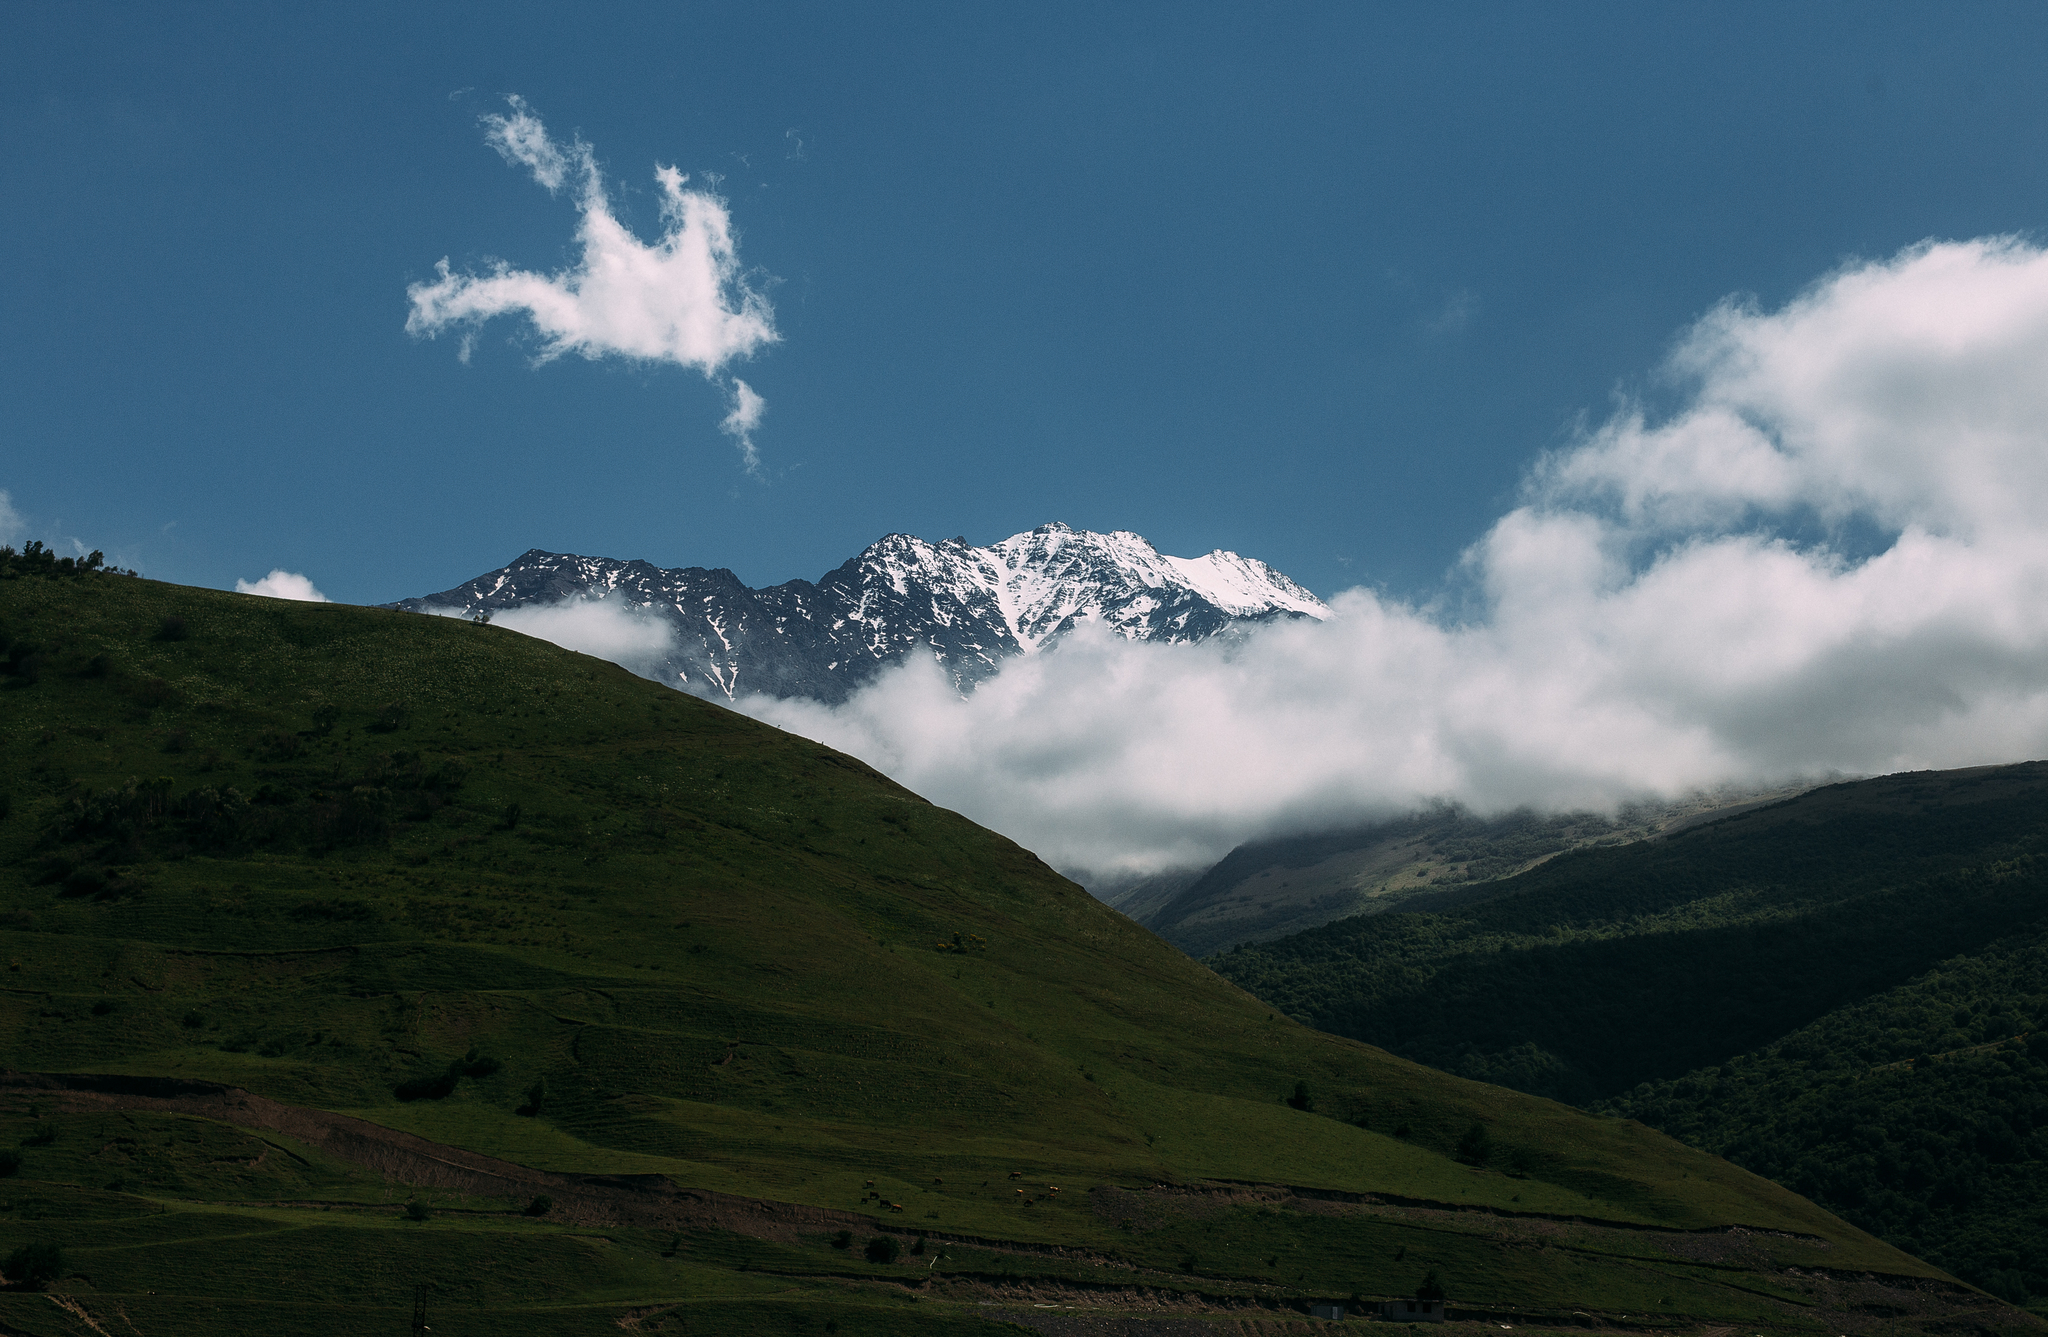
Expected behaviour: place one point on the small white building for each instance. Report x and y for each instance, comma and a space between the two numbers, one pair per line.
1412, 1311
1326, 1311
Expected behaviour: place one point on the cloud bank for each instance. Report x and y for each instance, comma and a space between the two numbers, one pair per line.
635, 640
282, 584
1832, 555
682, 300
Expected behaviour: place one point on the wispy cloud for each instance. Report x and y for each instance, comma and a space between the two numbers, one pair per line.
1456, 314
282, 584
747, 408
13, 526
1654, 616
682, 300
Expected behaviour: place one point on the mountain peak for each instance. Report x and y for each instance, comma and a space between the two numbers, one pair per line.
968, 607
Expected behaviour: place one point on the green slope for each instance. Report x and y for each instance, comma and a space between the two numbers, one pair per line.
469, 886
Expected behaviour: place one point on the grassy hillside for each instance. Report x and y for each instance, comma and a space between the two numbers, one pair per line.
1787, 934
473, 895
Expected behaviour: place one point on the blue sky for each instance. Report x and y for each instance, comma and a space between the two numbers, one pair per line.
1315, 283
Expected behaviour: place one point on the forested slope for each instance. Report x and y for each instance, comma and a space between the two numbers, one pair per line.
1921, 1114
1800, 935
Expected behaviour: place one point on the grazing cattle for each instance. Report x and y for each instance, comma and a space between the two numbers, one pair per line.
895, 1206
1016, 1174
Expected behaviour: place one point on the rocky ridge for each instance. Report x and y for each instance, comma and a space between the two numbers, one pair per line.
969, 607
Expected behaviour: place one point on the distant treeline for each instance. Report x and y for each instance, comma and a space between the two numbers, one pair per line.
37, 560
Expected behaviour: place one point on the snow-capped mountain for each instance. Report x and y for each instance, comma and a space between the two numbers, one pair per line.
969, 607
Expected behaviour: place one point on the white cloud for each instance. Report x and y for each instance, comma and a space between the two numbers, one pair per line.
1648, 623
13, 526
521, 139
605, 628
747, 408
682, 300
1456, 314
282, 584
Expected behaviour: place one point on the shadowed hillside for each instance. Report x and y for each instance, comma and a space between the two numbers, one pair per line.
1760, 985
1920, 1113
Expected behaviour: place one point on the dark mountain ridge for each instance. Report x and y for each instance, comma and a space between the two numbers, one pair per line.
1444, 855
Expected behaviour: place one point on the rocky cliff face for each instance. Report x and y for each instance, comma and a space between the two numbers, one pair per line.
969, 607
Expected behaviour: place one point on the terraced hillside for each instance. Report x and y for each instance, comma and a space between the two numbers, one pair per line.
355, 958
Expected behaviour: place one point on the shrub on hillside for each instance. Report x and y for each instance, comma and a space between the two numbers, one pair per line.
33, 1266
474, 1064
152, 692
343, 910
143, 816
434, 1086
25, 660
441, 1085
